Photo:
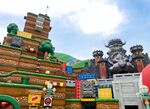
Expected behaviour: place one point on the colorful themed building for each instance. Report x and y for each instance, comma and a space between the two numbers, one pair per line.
31, 77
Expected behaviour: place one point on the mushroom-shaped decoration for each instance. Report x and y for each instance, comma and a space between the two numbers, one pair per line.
145, 77
144, 87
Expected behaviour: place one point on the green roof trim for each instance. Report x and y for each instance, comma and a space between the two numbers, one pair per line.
28, 57
20, 85
11, 100
36, 37
28, 38
32, 74
73, 100
78, 68
16, 56
15, 48
106, 100
39, 37
96, 100
70, 86
24, 38
42, 60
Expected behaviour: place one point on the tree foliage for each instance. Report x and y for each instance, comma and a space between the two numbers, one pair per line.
47, 46
12, 28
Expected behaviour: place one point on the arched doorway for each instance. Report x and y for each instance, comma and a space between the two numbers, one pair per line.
89, 105
8, 102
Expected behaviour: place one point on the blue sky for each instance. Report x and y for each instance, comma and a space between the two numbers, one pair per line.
81, 26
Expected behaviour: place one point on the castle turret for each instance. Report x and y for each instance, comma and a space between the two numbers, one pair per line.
138, 57
38, 25
137, 50
114, 43
98, 57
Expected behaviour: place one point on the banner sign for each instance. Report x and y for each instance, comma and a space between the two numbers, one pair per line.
86, 76
34, 99
105, 93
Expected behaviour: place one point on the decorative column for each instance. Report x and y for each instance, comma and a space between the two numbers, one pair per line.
64, 67
25, 80
98, 56
137, 57
103, 70
78, 89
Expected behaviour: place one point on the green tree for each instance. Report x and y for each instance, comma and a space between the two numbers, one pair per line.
12, 28
46, 47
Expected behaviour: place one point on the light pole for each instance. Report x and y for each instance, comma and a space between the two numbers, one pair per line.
49, 94
144, 95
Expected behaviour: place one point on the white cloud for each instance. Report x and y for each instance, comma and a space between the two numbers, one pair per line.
21, 7
3, 33
91, 16
98, 17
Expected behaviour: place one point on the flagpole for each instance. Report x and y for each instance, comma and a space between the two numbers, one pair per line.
46, 10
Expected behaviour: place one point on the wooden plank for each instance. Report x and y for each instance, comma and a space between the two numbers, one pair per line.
10, 51
73, 105
32, 24
107, 105
58, 102
44, 31
35, 33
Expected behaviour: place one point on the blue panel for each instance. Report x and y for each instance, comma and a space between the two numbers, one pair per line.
86, 76
69, 69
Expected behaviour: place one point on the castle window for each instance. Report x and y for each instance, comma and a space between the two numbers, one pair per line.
39, 23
